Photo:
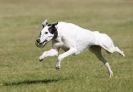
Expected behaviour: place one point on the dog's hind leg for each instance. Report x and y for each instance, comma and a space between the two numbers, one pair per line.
97, 51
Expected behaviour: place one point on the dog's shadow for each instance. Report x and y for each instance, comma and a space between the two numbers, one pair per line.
28, 82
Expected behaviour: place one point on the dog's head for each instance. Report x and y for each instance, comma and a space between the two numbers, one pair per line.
48, 33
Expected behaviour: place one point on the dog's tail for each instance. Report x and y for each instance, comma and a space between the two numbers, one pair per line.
115, 49
119, 51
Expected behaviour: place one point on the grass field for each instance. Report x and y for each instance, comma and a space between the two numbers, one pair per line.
20, 23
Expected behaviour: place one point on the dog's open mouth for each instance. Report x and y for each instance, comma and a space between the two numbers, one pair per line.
41, 45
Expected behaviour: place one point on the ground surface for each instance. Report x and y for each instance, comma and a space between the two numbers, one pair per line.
20, 23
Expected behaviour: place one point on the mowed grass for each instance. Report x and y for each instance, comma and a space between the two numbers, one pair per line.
20, 23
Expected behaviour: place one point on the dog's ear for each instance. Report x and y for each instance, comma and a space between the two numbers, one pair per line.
44, 23
55, 24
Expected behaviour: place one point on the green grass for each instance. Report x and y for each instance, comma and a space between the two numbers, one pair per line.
20, 23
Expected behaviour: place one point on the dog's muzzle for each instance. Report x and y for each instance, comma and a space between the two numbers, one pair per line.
39, 44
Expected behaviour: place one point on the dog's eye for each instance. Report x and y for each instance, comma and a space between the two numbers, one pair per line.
46, 32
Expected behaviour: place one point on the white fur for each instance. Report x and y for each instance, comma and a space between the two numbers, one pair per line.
74, 39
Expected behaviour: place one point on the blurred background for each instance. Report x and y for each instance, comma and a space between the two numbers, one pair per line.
20, 24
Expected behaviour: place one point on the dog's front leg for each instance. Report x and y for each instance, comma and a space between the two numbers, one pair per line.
51, 52
71, 51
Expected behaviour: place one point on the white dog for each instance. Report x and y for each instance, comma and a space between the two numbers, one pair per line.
73, 40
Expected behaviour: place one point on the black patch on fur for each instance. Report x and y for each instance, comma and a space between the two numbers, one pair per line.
53, 30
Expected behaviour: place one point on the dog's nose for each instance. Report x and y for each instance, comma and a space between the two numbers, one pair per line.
38, 40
